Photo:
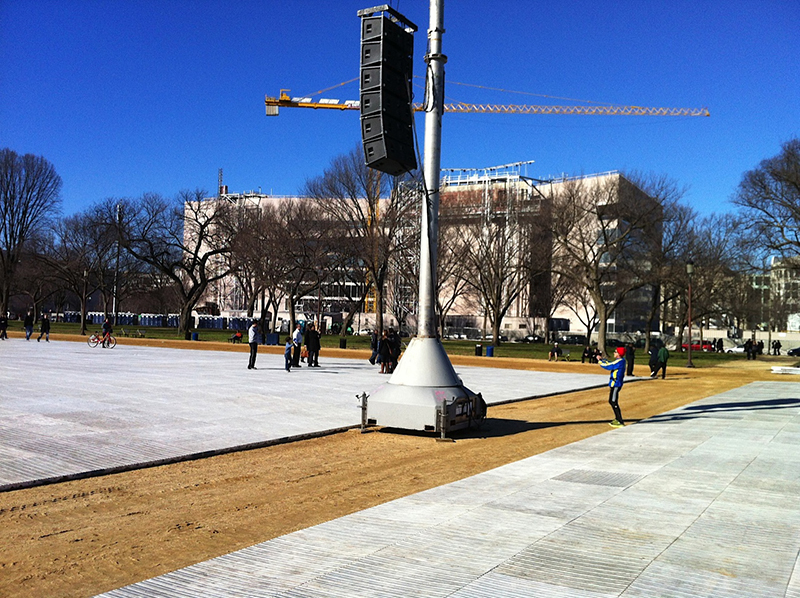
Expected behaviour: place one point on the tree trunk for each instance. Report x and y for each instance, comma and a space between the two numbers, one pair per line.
185, 323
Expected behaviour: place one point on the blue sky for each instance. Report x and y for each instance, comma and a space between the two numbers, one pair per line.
127, 97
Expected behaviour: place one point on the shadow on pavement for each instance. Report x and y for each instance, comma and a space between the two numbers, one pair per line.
712, 409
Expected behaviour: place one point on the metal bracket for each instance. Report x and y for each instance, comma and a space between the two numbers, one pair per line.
363, 406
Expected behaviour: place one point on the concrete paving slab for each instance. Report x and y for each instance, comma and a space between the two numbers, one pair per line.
700, 501
67, 410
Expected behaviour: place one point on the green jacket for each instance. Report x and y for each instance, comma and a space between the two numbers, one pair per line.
663, 355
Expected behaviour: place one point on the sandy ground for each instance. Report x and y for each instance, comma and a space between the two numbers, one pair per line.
85, 537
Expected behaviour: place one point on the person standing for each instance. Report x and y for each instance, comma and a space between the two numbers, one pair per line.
3, 327
27, 324
385, 351
45, 329
615, 381
313, 345
373, 344
394, 344
630, 354
778, 347
297, 339
252, 340
287, 353
663, 357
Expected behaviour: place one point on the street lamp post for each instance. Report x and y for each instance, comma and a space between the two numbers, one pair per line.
689, 273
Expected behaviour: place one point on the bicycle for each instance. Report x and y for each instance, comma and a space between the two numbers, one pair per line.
97, 339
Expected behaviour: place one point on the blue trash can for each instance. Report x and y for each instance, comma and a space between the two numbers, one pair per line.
195, 336
490, 351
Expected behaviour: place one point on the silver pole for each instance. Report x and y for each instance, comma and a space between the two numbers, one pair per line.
434, 108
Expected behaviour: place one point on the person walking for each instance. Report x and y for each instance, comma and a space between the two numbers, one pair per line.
630, 354
312, 341
663, 358
653, 362
252, 340
3, 327
778, 347
27, 324
287, 353
297, 339
44, 329
615, 381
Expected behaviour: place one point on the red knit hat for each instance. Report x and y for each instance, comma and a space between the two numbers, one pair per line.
621, 351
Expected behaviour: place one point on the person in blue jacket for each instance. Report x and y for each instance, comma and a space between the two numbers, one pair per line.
615, 381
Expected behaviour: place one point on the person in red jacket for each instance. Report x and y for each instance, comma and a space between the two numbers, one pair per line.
615, 381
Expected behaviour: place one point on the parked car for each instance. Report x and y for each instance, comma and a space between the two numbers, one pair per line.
794, 352
706, 346
572, 339
736, 349
533, 338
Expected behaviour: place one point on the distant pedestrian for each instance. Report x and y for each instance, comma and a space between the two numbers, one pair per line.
44, 329
587, 354
615, 381
287, 353
312, 341
373, 345
252, 340
3, 327
663, 358
630, 354
297, 339
385, 352
394, 346
749, 349
27, 324
778, 347
720, 345
653, 362
555, 353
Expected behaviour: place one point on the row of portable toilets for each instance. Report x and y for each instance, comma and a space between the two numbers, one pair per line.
162, 321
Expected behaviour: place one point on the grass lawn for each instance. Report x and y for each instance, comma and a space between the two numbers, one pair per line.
453, 347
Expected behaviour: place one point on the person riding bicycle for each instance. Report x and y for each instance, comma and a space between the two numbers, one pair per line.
107, 330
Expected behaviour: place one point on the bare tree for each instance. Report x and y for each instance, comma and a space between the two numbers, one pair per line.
498, 235
769, 200
29, 198
186, 239
73, 258
369, 208
602, 228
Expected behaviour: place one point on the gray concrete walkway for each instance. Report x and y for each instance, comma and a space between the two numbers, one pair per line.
68, 410
701, 501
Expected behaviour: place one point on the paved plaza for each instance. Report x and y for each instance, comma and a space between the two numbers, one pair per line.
701, 501
67, 410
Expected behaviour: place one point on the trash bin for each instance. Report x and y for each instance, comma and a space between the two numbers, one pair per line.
272, 338
490, 351
195, 336
478, 350
343, 343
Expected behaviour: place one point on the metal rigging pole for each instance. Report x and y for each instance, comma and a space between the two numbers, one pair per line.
424, 392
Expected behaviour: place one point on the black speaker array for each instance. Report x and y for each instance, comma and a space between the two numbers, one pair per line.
387, 51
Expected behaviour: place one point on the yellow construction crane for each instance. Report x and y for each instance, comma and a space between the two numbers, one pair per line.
285, 101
